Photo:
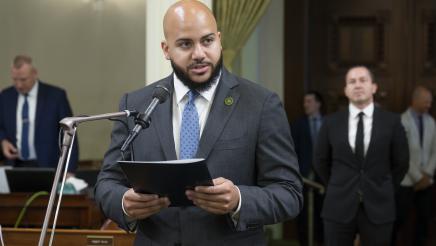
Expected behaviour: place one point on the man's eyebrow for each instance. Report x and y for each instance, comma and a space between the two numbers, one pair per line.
208, 35
189, 39
183, 39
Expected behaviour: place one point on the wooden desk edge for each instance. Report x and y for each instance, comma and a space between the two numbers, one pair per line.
66, 231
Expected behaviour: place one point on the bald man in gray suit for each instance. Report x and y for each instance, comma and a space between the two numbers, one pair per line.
243, 135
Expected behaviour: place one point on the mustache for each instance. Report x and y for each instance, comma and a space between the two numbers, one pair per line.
194, 64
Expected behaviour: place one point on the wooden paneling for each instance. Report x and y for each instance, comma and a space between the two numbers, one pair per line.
77, 211
396, 39
295, 28
357, 40
424, 50
30, 237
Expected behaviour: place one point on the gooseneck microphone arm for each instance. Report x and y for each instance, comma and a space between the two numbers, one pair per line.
142, 121
69, 122
69, 126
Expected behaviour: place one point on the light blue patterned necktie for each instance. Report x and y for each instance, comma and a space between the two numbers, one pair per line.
190, 129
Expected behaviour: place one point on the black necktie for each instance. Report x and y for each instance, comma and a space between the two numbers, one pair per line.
421, 129
359, 151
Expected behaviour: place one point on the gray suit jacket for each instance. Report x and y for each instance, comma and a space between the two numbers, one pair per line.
419, 155
247, 142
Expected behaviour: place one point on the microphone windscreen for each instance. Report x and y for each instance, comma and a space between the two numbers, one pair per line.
161, 93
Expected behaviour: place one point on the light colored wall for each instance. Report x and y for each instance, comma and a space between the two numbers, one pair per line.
97, 50
157, 67
92, 48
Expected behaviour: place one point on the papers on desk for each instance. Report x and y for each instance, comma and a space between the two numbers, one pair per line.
1, 236
167, 178
4, 185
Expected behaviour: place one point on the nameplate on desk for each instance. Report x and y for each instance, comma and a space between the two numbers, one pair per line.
99, 240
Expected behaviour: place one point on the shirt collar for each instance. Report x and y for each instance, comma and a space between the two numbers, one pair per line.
354, 111
415, 114
34, 91
181, 89
315, 116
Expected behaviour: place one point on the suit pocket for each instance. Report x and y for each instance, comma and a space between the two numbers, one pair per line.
235, 143
249, 237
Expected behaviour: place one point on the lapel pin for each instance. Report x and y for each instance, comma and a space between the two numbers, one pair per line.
228, 101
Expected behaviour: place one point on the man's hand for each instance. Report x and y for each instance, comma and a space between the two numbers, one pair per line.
222, 198
9, 150
141, 206
423, 183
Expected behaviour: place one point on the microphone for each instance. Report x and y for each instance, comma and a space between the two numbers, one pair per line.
160, 95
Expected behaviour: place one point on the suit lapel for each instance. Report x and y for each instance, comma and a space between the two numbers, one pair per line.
428, 131
219, 114
40, 102
376, 121
163, 123
306, 130
343, 124
12, 115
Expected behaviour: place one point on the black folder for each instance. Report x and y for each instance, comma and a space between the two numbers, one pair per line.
167, 178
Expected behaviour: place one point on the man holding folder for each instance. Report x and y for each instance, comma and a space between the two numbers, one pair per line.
238, 127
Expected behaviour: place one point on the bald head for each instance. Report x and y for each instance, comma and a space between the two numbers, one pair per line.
192, 43
185, 14
421, 99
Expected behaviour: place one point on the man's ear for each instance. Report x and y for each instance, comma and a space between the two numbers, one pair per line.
219, 38
374, 88
165, 48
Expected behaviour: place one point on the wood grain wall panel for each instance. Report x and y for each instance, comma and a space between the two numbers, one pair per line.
424, 50
343, 33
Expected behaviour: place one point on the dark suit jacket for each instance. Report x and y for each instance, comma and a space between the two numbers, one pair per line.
52, 106
385, 165
248, 142
300, 130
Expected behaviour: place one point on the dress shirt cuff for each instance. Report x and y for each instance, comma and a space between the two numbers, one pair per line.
429, 171
235, 215
131, 222
416, 175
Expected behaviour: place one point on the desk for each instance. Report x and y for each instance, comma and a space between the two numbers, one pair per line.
30, 237
78, 211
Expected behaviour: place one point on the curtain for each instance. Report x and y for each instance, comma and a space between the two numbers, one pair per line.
236, 20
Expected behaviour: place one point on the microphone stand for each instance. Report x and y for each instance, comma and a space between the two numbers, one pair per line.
69, 126
66, 146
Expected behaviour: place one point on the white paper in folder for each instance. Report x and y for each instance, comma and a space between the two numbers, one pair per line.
4, 185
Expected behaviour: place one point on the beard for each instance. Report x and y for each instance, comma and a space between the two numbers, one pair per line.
199, 86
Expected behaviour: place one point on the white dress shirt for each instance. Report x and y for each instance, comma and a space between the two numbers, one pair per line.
202, 103
353, 119
32, 97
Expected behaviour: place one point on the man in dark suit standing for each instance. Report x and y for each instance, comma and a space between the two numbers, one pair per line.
240, 129
304, 133
361, 156
30, 112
